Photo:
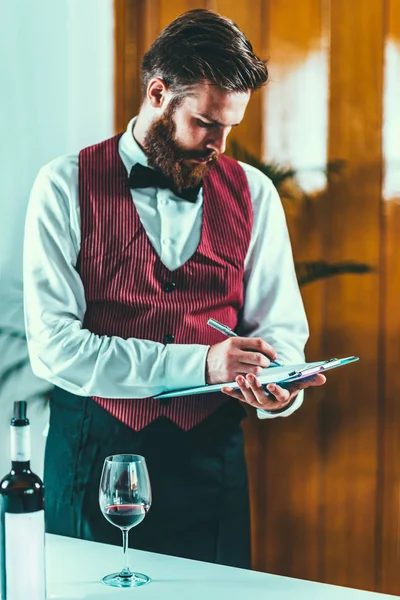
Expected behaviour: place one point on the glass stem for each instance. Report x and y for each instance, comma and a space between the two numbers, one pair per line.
126, 572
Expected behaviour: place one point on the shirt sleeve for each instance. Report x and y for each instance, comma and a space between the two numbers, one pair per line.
61, 350
273, 307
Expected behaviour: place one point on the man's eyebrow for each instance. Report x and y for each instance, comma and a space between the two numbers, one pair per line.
204, 116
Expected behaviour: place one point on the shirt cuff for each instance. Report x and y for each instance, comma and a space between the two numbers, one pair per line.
298, 401
185, 366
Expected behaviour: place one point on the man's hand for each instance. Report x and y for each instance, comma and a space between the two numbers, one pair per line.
251, 391
237, 356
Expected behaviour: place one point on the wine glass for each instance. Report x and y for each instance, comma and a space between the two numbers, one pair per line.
125, 499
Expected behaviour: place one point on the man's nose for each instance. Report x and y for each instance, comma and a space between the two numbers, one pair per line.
217, 141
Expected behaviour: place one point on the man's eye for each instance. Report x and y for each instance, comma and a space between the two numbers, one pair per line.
204, 124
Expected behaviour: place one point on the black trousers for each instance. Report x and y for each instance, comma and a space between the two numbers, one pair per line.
200, 504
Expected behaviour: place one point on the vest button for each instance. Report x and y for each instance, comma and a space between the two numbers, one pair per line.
169, 286
168, 338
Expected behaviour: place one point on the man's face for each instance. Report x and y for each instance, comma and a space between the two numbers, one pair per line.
188, 138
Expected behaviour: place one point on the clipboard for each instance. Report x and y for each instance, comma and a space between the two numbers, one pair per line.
281, 375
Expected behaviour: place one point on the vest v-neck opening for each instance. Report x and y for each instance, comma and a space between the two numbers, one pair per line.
142, 231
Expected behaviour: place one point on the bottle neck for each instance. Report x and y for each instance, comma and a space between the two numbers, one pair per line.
20, 445
20, 467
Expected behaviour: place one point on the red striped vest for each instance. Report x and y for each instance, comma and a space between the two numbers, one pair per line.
126, 284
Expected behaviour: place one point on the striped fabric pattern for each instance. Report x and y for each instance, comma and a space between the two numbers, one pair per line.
131, 293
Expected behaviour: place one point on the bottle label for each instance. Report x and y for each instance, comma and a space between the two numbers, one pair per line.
25, 556
20, 443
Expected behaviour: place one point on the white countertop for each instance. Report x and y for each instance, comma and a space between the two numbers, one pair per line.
75, 569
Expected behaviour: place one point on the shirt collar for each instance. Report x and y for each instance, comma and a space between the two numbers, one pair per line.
129, 150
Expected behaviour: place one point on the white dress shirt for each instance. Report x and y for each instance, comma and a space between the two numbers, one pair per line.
73, 358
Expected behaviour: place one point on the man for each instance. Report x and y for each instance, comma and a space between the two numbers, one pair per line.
131, 246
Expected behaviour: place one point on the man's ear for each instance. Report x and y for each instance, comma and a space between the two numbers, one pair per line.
156, 92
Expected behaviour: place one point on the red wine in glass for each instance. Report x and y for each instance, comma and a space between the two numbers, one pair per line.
125, 515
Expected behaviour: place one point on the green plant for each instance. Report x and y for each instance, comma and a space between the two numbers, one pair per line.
15, 373
284, 180
278, 174
19, 363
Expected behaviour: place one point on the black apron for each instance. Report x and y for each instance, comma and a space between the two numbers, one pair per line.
198, 477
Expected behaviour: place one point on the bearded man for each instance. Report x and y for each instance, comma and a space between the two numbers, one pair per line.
131, 246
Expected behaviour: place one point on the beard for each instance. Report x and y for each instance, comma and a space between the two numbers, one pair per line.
166, 155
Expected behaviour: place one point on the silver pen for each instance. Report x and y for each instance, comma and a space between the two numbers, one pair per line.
229, 333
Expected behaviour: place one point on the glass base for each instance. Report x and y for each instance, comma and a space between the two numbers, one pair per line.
126, 581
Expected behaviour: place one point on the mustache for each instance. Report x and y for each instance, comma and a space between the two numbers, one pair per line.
199, 156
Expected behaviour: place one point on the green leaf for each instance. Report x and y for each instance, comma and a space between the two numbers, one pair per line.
276, 173
307, 272
8, 331
12, 370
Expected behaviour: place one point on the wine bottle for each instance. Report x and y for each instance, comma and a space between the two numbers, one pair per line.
22, 519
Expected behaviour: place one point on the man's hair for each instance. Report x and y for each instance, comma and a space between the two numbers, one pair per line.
201, 45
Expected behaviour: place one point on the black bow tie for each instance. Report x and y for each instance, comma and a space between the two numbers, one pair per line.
142, 177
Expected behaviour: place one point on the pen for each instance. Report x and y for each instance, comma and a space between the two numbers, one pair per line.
229, 333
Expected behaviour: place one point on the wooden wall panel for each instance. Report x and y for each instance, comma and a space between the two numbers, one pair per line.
127, 64
388, 509
136, 25
150, 25
388, 514
170, 10
291, 462
352, 311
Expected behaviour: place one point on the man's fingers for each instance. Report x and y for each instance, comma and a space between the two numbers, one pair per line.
254, 358
256, 345
281, 395
272, 396
251, 392
315, 380
237, 355
251, 389
266, 404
